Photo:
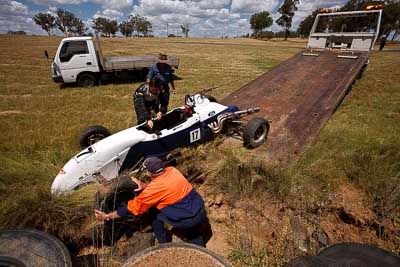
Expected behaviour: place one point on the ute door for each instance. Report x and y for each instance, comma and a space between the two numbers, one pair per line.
73, 58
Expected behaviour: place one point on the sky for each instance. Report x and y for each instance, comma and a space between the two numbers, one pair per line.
205, 18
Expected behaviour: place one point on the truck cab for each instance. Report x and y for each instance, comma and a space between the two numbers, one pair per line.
74, 57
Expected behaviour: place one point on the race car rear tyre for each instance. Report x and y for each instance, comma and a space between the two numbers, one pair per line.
211, 98
93, 134
255, 133
23, 247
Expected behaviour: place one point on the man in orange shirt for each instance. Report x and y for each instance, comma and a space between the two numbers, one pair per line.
169, 198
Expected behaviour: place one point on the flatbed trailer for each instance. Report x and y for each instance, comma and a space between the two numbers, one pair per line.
299, 95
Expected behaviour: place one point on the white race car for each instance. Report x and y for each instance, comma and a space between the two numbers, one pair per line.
107, 156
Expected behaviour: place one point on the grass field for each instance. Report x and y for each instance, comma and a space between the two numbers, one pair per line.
41, 123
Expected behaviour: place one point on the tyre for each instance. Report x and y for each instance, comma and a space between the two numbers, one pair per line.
87, 80
120, 193
255, 133
108, 201
211, 98
93, 134
32, 248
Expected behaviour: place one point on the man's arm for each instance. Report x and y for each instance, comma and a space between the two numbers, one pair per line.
151, 73
140, 107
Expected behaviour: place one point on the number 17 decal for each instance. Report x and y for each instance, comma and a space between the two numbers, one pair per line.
195, 135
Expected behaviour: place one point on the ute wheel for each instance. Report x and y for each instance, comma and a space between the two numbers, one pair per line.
32, 248
86, 80
255, 133
93, 134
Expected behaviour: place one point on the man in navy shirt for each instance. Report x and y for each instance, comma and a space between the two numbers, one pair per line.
163, 72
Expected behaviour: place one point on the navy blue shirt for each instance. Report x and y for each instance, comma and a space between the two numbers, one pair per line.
164, 74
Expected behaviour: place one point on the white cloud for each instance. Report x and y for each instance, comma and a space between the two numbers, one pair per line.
106, 4
204, 17
306, 7
15, 16
254, 6
109, 14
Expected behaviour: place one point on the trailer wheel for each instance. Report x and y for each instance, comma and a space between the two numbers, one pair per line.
25, 247
87, 80
93, 134
255, 133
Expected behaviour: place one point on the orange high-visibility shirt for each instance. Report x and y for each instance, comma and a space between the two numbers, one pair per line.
164, 190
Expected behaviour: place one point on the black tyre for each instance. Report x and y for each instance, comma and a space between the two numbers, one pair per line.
93, 134
87, 80
255, 133
211, 98
110, 200
32, 248
121, 192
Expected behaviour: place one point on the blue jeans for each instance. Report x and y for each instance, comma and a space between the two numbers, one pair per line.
189, 225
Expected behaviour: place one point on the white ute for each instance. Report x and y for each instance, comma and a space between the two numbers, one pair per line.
80, 60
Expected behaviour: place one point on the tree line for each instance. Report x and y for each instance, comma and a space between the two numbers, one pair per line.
67, 22
263, 20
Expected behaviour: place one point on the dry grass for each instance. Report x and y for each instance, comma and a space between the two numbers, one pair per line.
41, 123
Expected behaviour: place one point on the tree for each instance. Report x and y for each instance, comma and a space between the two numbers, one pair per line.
185, 30
79, 27
307, 23
140, 25
126, 28
287, 10
391, 18
260, 21
390, 15
45, 20
65, 20
105, 26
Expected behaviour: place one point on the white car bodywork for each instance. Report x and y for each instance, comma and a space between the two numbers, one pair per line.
105, 158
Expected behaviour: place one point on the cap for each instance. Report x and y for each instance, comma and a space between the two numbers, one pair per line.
154, 165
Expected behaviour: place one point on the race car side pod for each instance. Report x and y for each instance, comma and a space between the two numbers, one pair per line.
216, 126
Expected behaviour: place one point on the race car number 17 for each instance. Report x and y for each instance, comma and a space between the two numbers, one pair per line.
195, 135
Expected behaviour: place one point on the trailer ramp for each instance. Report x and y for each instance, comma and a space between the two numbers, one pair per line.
298, 97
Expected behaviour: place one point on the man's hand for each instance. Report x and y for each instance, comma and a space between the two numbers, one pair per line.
174, 91
100, 216
150, 123
159, 115
139, 183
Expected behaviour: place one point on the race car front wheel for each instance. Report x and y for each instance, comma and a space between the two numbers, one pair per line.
255, 133
93, 134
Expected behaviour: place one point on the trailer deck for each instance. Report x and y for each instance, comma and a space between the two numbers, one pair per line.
298, 97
